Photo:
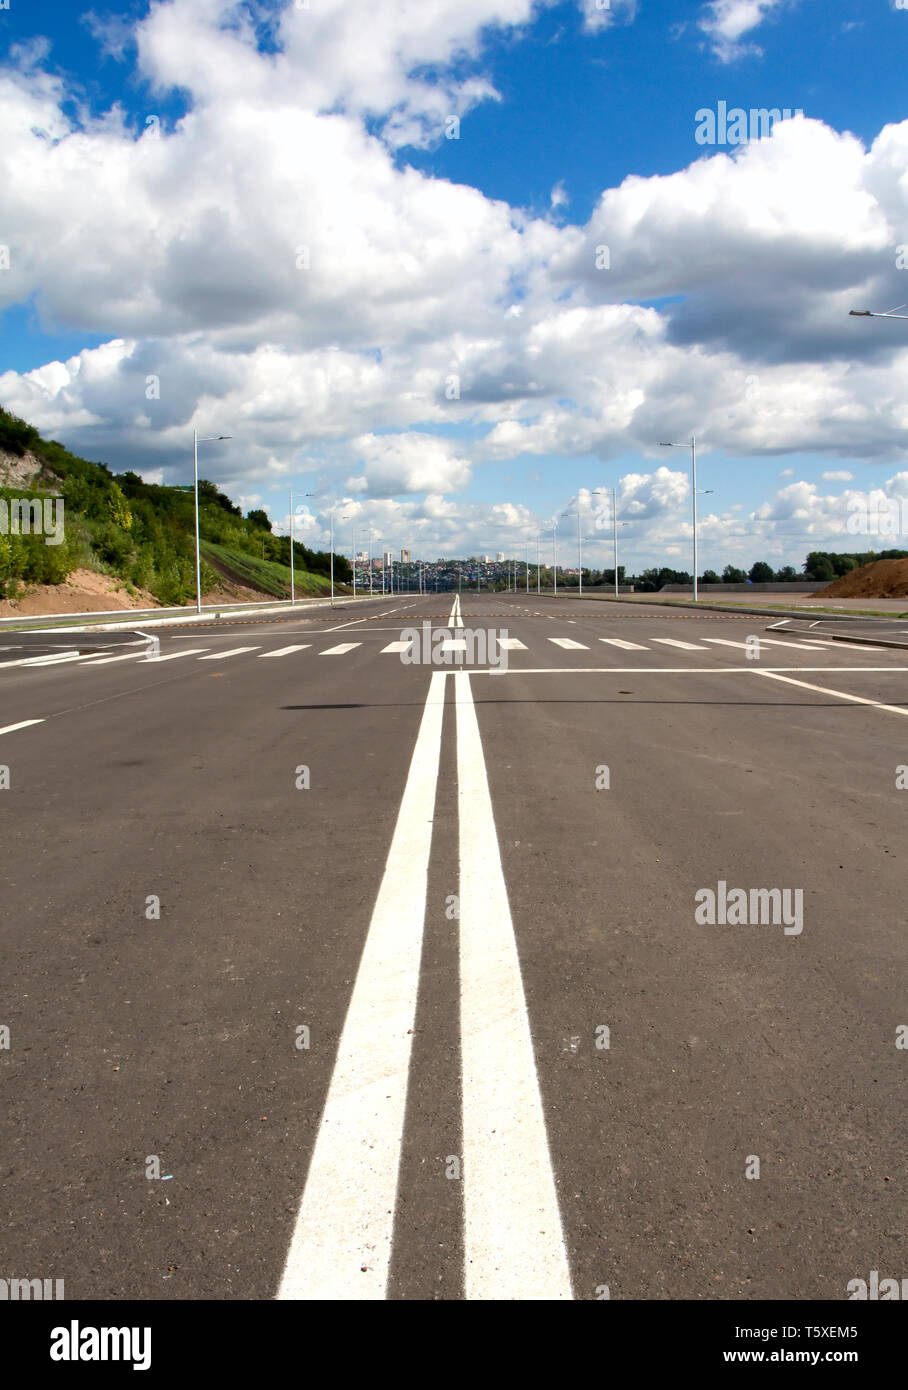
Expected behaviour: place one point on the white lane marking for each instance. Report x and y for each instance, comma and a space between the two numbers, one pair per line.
24, 724
398, 646
172, 656
676, 642
107, 660
843, 646
511, 644
569, 644
59, 660
674, 670
341, 1245
233, 651
788, 642
341, 649
839, 694
285, 651
453, 644
513, 1241
727, 642
627, 646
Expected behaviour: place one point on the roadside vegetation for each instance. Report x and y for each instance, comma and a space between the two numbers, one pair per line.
144, 534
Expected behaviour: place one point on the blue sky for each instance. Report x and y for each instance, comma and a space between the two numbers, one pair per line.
724, 309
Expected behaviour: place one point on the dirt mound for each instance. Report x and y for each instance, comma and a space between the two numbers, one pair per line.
880, 579
83, 592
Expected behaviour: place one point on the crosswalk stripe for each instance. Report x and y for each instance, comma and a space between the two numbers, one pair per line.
843, 646
511, 644
23, 724
787, 642
397, 647
569, 643
234, 651
108, 660
285, 651
172, 656
626, 646
453, 644
726, 642
340, 649
676, 642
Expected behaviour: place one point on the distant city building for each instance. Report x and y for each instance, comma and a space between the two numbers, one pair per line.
499, 556
363, 555
405, 557
388, 557
486, 560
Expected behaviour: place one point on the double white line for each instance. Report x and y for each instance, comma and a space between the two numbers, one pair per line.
513, 1239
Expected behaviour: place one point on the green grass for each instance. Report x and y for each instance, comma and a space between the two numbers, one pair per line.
266, 575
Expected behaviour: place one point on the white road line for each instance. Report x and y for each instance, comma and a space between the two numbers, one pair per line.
843, 646
172, 656
341, 1245
839, 694
676, 670
397, 647
676, 642
511, 644
59, 660
340, 649
234, 651
513, 1241
107, 660
727, 642
285, 651
569, 644
788, 642
627, 646
24, 724
453, 644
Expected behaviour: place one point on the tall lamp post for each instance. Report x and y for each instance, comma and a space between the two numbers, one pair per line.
555, 557
196, 441
693, 459
614, 493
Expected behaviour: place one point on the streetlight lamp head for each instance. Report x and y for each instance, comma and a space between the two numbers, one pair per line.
860, 313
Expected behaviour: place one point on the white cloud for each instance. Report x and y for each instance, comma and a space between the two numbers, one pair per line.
838, 475
727, 21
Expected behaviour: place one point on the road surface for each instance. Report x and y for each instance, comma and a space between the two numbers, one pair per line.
331, 974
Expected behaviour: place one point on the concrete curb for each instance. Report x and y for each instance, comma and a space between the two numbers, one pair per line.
140, 618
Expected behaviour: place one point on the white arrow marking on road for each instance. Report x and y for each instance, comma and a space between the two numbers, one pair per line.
341, 1246
513, 1241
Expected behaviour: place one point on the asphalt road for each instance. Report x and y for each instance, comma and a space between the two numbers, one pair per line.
561, 1090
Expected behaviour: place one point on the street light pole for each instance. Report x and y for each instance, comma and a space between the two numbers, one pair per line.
693, 458
555, 557
292, 582
196, 441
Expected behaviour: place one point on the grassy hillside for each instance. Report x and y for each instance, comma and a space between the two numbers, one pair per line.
144, 534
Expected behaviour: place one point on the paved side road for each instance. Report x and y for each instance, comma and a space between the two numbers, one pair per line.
326, 974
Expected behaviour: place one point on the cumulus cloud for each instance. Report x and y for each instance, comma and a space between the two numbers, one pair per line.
270, 269
725, 22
